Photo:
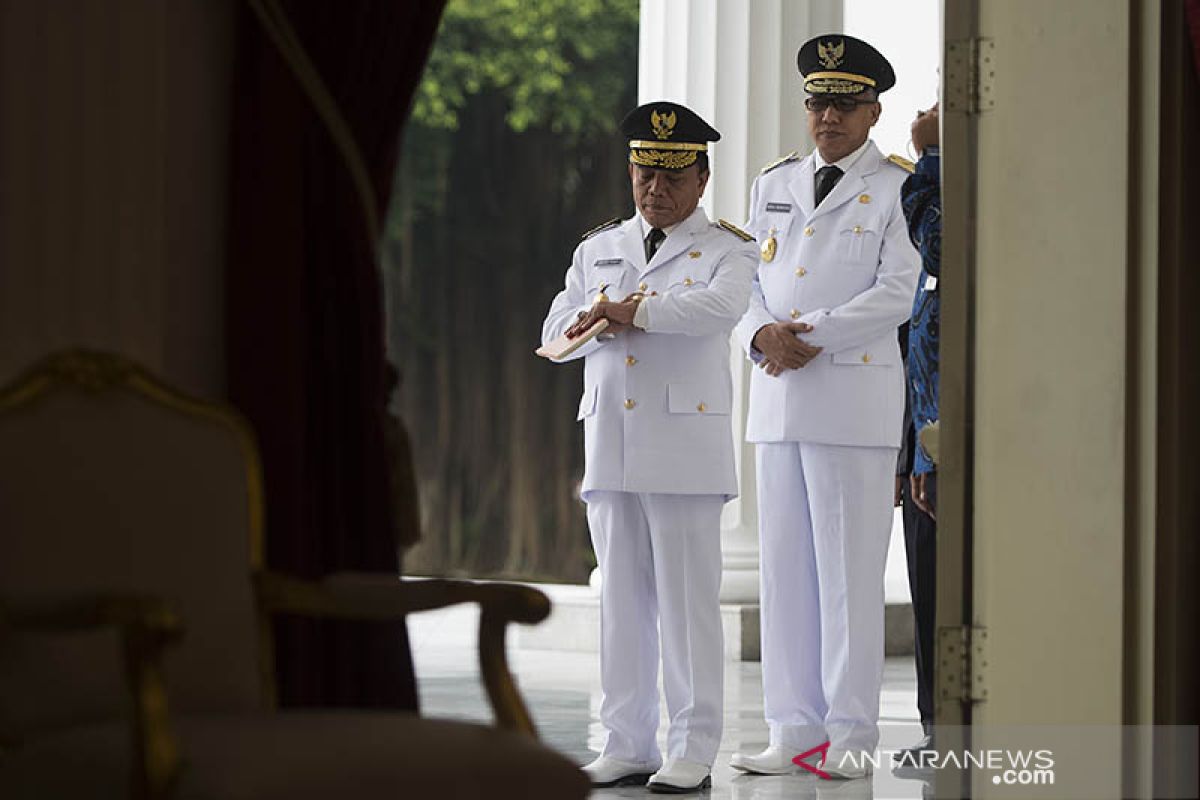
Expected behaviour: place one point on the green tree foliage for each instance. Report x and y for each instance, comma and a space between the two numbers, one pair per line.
556, 62
510, 154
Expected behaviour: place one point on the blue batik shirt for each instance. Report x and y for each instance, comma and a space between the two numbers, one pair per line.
922, 200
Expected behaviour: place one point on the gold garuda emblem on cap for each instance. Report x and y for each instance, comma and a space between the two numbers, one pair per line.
663, 124
831, 55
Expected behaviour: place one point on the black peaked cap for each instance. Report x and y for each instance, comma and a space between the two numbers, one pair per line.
835, 63
666, 135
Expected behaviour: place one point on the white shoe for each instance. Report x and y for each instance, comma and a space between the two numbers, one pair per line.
679, 776
847, 765
605, 772
775, 760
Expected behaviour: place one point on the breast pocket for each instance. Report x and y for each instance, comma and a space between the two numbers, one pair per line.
859, 241
610, 279
689, 276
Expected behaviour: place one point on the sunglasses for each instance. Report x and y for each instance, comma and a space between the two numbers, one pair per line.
844, 105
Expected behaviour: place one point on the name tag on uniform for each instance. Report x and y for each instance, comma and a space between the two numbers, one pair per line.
931, 283
609, 262
785, 208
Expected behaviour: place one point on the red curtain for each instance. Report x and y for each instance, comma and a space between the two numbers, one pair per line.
304, 330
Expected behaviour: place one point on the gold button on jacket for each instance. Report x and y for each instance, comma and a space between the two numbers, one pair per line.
630, 403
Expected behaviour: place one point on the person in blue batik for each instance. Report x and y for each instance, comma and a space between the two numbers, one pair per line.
921, 200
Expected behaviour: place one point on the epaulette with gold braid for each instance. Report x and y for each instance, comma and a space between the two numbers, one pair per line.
735, 230
902, 162
779, 162
605, 226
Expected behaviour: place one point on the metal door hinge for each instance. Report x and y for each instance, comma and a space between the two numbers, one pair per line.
962, 664
970, 75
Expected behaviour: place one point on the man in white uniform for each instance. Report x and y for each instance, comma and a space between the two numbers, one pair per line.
836, 278
656, 409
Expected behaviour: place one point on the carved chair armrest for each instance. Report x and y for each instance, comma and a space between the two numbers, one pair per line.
382, 597
148, 625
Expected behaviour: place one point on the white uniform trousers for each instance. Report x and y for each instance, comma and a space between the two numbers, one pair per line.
660, 562
825, 519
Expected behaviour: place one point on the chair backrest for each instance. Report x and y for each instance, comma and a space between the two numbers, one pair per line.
112, 482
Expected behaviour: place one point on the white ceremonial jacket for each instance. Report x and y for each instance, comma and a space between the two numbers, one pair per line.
656, 403
848, 269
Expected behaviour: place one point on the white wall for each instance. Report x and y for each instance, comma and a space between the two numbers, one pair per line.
909, 35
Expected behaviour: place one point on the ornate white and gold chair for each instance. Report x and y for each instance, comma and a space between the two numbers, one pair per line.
135, 650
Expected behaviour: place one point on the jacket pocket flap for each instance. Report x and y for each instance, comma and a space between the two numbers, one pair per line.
587, 403
681, 283
871, 224
609, 276
697, 398
866, 356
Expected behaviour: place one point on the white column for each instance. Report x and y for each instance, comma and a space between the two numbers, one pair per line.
734, 63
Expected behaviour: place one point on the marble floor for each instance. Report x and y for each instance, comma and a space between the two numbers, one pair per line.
563, 692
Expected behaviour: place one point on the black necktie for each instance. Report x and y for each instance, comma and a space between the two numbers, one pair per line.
653, 240
827, 178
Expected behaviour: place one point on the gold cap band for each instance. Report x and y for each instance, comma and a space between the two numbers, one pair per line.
663, 159
845, 76
832, 86
641, 144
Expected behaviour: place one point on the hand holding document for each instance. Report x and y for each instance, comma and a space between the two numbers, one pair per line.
563, 346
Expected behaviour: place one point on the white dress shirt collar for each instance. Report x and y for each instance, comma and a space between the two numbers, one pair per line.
843, 164
647, 227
